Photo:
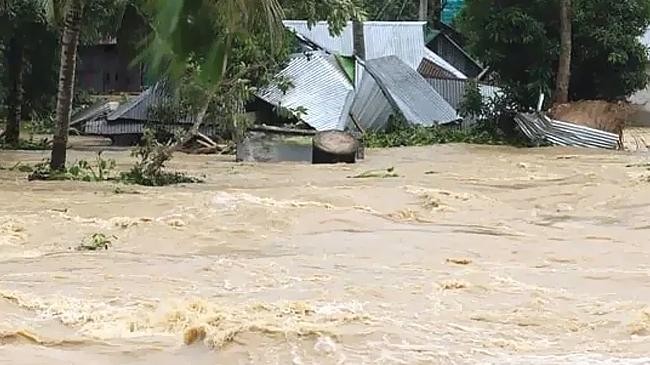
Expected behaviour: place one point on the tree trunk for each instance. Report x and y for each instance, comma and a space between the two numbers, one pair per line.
424, 10
332, 147
15, 98
564, 68
69, 43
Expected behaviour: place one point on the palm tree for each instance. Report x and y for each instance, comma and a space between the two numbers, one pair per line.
191, 33
73, 10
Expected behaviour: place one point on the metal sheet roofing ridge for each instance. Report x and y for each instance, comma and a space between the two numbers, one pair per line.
307, 72
135, 102
370, 107
370, 65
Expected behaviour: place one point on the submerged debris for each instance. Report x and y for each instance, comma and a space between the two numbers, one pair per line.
541, 129
383, 174
459, 261
96, 242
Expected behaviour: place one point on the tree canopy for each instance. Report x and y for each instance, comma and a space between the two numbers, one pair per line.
520, 41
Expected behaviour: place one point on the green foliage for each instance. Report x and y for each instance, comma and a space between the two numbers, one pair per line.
82, 170
472, 105
520, 41
218, 52
96, 242
336, 12
400, 134
150, 169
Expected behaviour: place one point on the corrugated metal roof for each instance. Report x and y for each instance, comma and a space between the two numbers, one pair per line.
402, 39
96, 111
433, 57
370, 108
453, 90
540, 128
402, 87
405, 40
138, 107
345, 113
319, 86
103, 127
429, 69
319, 34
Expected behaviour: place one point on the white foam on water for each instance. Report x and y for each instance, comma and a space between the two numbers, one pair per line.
573, 359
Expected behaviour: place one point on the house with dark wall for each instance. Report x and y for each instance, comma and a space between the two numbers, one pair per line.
106, 66
451, 51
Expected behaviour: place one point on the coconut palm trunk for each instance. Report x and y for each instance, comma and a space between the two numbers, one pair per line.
564, 68
15, 67
69, 44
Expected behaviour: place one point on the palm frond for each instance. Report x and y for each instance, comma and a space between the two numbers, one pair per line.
203, 31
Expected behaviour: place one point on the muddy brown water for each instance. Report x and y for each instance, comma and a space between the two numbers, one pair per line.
473, 255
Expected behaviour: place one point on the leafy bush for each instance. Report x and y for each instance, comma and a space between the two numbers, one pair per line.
400, 134
96, 242
102, 170
472, 105
149, 170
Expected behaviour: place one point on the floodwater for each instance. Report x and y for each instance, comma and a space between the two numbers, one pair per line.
473, 255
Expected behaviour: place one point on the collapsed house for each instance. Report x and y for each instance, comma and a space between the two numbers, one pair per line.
126, 124
340, 86
335, 84
390, 85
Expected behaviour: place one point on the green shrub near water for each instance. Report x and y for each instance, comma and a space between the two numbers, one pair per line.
150, 168
418, 135
148, 171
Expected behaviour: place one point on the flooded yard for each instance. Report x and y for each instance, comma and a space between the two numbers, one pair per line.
472, 255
